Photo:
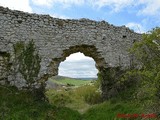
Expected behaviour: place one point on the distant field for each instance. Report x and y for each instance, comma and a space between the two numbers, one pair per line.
71, 81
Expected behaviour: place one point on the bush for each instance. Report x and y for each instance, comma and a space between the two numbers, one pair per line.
92, 97
60, 98
147, 53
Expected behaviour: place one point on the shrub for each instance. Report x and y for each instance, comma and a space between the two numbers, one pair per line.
89, 94
147, 53
60, 98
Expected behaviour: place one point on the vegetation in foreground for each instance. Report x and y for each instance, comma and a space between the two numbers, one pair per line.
22, 105
17, 105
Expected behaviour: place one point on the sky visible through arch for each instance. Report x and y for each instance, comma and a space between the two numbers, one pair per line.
139, 15
78, 65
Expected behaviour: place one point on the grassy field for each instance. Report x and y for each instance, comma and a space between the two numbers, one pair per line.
72, 82
69, 81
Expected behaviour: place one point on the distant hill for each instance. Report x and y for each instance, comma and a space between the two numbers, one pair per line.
86, 78
59, 81
58, 77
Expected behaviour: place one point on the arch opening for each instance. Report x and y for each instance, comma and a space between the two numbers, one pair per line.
77, 65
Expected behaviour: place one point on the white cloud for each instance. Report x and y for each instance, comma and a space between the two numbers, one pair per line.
136, 27
78, 57
152, 7
43, 2
65, 3
78, 66
116, 5
22, 5
60, 16
146, 7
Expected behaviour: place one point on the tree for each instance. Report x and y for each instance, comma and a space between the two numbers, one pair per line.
147, 53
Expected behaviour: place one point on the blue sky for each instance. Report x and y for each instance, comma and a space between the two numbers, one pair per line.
139, 15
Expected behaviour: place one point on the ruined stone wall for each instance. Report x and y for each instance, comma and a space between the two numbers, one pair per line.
57, 38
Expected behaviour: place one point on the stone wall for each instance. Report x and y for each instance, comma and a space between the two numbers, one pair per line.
55, 39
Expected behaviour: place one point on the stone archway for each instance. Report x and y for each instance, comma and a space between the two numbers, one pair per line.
87, 50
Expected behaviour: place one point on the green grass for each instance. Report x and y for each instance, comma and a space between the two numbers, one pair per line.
71, 81
72, 98
21, 105
109, 110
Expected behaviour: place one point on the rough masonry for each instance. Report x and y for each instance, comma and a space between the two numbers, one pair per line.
55, 39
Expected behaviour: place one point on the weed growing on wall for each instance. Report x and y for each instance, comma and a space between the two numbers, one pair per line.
28, 61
